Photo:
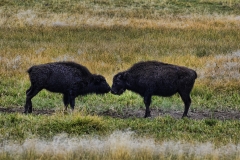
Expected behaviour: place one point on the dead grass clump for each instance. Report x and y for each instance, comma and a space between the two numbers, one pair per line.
221, 72
222, 67
118, 145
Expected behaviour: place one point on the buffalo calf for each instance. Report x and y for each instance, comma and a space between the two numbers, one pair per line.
156, 78
69, 78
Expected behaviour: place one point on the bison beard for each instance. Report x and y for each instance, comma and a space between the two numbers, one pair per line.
156, 78
69, 78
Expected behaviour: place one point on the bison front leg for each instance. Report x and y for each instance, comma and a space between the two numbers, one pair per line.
147, 102
28, 106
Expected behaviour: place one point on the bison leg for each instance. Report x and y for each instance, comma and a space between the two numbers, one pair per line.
29, 89
30, 93
187, 102
66, 100
147, 102
72, 101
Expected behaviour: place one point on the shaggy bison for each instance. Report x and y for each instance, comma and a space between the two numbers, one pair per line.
69, 78
156, 78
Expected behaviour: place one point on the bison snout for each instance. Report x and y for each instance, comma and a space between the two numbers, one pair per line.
109, 89
113, 92
104, 90
117, 92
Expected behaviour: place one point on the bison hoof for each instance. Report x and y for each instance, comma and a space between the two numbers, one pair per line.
186, 116
147, 116
26, 112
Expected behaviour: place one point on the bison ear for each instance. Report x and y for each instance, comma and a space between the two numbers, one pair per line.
123, 76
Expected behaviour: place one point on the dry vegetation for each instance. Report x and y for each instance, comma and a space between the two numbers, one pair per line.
118, 145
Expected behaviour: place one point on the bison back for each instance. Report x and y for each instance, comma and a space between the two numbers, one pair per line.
161, 78
59, 76
154, 70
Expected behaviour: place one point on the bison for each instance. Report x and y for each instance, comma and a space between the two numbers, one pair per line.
69, 78
156, 78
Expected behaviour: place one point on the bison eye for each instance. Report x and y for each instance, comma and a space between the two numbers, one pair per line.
118, 83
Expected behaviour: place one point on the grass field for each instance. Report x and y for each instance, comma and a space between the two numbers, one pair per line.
109, 36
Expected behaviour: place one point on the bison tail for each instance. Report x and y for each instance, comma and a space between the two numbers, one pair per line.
195, 75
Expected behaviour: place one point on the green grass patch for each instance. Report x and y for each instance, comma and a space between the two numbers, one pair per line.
20, 127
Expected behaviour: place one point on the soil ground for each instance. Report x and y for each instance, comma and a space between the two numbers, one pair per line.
133, 113
198, 115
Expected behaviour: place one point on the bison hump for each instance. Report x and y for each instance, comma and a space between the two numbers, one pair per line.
79, 68
150, 67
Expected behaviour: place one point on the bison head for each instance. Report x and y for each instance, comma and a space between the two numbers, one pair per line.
100, 85
119, 83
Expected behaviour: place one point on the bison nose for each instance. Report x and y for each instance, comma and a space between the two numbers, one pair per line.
109, 88
113, 92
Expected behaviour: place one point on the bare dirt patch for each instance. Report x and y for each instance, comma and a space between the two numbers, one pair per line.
139, 113
198, 115
20, 110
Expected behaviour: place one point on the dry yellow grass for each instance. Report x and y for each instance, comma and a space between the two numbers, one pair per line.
118, 146
36, 18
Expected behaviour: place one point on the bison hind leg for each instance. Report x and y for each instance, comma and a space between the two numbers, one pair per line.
30, 93
187, 102
28, 90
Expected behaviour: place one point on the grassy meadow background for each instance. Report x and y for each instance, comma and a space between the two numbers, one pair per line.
109, 36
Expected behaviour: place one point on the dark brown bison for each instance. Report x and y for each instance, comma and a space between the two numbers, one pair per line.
69, 78
156, 78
